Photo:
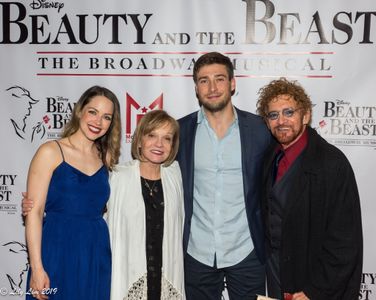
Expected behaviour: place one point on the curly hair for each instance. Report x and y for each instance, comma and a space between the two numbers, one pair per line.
109, 144
152, 120
278, 87
210, 59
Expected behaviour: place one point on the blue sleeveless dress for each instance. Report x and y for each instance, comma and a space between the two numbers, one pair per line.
76, 250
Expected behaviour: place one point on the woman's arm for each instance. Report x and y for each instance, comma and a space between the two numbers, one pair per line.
41, 168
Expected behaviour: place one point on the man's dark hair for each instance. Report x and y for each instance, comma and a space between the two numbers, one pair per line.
210, 59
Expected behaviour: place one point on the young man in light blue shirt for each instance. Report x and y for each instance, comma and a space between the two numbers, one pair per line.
220, 155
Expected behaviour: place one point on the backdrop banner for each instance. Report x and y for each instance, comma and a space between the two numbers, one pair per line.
144, 51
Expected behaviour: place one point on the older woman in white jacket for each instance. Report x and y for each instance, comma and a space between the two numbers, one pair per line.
146, 214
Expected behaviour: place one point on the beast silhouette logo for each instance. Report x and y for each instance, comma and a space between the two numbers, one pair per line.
20, 265
28, 125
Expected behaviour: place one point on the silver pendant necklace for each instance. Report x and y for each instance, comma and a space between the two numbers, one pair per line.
152, 189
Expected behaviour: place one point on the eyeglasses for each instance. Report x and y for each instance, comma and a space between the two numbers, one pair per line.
287, 112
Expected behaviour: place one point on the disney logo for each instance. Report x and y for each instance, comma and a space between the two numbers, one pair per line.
38, 4
341, 102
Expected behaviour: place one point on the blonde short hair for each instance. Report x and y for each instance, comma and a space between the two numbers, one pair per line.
150, 121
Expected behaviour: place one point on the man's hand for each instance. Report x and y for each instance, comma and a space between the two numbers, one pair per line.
27, 204
299, 296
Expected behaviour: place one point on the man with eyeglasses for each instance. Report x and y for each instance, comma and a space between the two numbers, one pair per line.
310, 204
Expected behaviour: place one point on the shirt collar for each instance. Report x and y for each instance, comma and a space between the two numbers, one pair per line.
201, 115
292, 152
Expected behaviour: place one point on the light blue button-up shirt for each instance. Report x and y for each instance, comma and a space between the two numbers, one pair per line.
219, 222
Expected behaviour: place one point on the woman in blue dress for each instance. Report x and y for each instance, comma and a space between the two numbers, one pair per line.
67, 238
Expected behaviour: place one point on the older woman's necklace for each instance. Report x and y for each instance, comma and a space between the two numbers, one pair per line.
152, 189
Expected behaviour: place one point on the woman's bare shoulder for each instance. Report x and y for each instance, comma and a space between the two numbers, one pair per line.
49, 153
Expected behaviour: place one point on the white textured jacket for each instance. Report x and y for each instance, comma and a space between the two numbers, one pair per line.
126, 223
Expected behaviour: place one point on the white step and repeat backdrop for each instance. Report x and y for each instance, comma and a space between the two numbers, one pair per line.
144, 50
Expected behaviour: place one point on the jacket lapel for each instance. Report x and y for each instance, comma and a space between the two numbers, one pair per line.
307, 175
246, 148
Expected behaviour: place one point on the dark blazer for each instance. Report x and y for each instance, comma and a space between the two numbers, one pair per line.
321, 243
254, 138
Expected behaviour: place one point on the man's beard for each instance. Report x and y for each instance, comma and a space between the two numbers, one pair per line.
215, 107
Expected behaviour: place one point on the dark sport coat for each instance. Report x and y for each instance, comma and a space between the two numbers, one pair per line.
321, 242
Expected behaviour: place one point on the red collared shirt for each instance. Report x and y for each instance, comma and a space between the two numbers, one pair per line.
291, 153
